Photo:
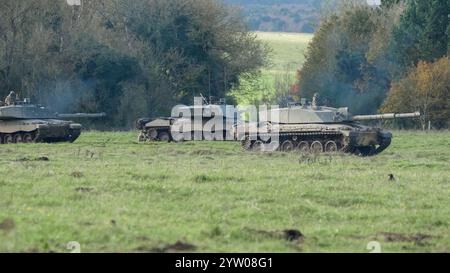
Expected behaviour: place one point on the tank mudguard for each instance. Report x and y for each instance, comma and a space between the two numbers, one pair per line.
158, 123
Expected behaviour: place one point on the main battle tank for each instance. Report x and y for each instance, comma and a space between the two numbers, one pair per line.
317, 129
26, 123
189, 122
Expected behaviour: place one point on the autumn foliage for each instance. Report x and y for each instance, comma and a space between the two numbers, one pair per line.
392, 58
426, 88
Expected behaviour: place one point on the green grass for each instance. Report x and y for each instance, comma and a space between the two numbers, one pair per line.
286, 58
110, 193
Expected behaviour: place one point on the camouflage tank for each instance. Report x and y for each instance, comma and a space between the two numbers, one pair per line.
317, 129
27, 123
189, 122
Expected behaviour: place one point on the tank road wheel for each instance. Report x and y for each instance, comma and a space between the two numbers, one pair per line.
303, 147
258, 146
142, 137
8, 139
246, 143
18, 138
274, 146
28, 138
152, 134
316, 147
178, 137
331, 147
271, 146
164, 136
287, 146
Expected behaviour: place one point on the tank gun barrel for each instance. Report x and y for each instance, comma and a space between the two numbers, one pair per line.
82, 115
386, 116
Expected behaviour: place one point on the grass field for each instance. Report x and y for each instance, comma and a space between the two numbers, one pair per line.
287, 49
286, 58
110, 193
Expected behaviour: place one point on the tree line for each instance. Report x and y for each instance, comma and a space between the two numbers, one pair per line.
126, 58
281, 15
393, 58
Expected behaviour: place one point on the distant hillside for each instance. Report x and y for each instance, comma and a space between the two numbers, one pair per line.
280, 15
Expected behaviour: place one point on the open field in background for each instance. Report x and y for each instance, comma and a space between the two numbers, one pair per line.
286, 58
288, 49
110, 193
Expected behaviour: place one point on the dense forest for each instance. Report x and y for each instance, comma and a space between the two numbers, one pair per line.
125, 58
391, 58
281, 15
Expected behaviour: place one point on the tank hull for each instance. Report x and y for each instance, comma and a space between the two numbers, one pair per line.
212, 121
38, 130
319, 138
162, 129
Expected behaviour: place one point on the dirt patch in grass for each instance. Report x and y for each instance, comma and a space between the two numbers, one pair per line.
179, 246
292, 235
26, 159
7, 225
398, 237
287, 234
77, 174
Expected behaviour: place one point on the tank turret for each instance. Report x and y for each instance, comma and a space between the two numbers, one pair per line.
297, 114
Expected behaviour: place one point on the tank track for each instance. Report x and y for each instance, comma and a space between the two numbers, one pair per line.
164, 134
155, 134
35, 137
311, 142
18, 137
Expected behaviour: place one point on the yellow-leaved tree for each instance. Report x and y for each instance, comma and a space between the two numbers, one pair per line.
426, 88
